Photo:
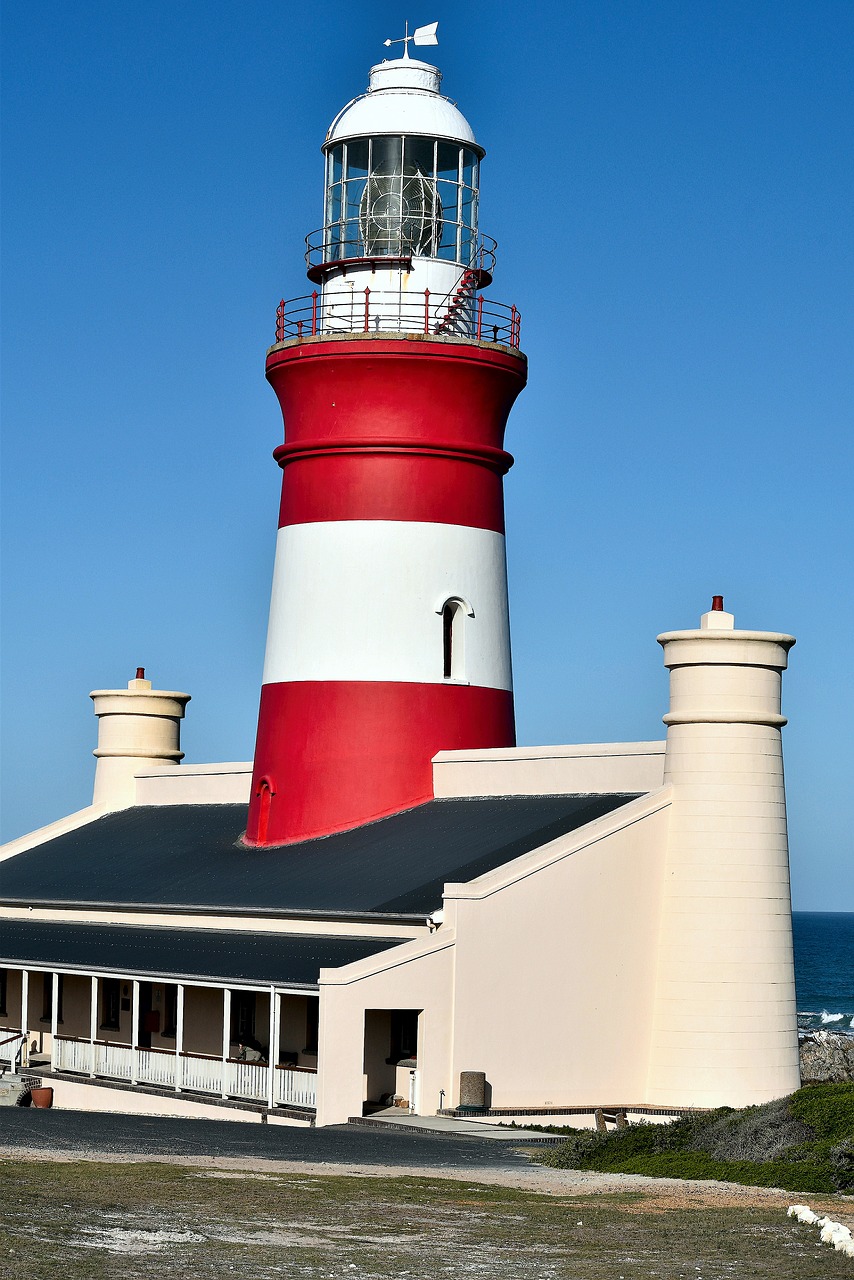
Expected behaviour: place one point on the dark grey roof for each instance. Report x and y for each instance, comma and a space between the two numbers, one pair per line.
213, 954
186, 856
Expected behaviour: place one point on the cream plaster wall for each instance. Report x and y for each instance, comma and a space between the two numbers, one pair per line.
203, 1020
68, 1095
12, 1016
555, 965
293, 1029
194, 784
76, 1004
596, 769
415, 975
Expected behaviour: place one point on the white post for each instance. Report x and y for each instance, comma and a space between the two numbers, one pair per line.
226, 1037
179, 1037
54, 1017
273, 1050
134, 1031
25, 1014
93, 1023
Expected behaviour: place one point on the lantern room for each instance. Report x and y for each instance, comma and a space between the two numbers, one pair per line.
400, 248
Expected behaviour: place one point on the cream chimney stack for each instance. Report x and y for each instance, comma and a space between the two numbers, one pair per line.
725, 1026
137, 727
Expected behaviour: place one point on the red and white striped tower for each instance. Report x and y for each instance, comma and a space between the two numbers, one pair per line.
389, 634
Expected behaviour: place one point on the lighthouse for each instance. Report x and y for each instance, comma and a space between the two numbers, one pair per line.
389, 634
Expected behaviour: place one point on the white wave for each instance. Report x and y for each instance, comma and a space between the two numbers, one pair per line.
831, 1017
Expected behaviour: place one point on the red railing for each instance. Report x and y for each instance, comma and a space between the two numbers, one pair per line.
381, 311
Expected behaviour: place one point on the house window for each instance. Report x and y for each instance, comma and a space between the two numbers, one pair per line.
4, 982
404, 1035
312, 1011
170, 1012
242, 1017
111, 996
47, 998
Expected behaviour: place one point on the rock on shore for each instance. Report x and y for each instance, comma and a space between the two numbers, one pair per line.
827, 1058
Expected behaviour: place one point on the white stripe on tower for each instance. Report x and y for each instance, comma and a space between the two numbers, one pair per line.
362, 600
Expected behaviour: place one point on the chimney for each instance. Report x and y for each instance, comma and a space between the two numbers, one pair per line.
137, 727
725, 1013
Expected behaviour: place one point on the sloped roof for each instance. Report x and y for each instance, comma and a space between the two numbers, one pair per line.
214, 955
187, 857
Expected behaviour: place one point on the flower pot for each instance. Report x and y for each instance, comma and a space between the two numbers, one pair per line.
42, 1097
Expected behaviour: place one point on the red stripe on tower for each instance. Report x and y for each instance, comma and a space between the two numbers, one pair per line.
389, 633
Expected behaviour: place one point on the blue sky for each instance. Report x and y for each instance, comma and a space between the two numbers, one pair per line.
671, 187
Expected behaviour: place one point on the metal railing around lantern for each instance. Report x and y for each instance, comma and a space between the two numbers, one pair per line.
383, 311
339, 244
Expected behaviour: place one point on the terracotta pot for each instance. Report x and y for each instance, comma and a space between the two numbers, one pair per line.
42, 1097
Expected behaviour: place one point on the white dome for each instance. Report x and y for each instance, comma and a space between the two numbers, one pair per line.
403, 97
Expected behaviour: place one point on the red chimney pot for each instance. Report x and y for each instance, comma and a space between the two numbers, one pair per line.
140, 671
717, 604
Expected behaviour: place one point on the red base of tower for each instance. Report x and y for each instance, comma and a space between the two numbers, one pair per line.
310, 779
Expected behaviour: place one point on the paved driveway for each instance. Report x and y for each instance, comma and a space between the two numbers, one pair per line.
89, 1133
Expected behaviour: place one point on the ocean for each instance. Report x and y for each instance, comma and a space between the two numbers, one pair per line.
824, 970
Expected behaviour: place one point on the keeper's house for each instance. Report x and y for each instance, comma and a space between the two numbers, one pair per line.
394, 897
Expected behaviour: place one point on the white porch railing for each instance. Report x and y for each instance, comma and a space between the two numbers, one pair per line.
155, 1066
72, 1055
296, 1086
246, 1079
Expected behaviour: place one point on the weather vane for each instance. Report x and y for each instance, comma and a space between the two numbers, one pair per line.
421, 35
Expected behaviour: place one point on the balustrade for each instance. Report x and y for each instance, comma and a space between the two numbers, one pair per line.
295, 1086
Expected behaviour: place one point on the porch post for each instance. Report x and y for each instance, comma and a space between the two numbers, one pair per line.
93, 1022
226, 1037
179, 1037
25, 1014
54, 1017
273, 1050
134, 1030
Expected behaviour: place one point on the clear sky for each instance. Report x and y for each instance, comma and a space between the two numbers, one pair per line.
670, 182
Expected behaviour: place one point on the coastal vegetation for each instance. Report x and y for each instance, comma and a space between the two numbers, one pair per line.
804, 1142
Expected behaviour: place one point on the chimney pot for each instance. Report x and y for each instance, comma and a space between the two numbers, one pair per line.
717, 604
140, 671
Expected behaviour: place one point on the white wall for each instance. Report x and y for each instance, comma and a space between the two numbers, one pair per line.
377, 615
600, 768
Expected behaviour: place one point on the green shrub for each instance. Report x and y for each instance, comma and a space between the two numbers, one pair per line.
827, 1108
802, 1143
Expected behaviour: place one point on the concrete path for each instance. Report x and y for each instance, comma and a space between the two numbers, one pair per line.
448, 1125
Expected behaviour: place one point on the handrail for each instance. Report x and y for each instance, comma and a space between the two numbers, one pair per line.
19, 1035
385, 311
323, 250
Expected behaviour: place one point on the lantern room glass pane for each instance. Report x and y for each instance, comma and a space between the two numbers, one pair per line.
357, 158
448, 161
469, 168
335, 162
386, 155
418, 156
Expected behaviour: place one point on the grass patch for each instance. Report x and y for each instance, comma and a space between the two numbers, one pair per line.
94, 1221
802, 1143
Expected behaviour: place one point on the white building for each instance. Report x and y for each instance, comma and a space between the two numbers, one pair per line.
581, 926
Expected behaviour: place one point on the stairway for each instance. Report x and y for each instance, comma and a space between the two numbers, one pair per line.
461, 298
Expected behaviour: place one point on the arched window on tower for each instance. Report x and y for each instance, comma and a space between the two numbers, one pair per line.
454, 612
